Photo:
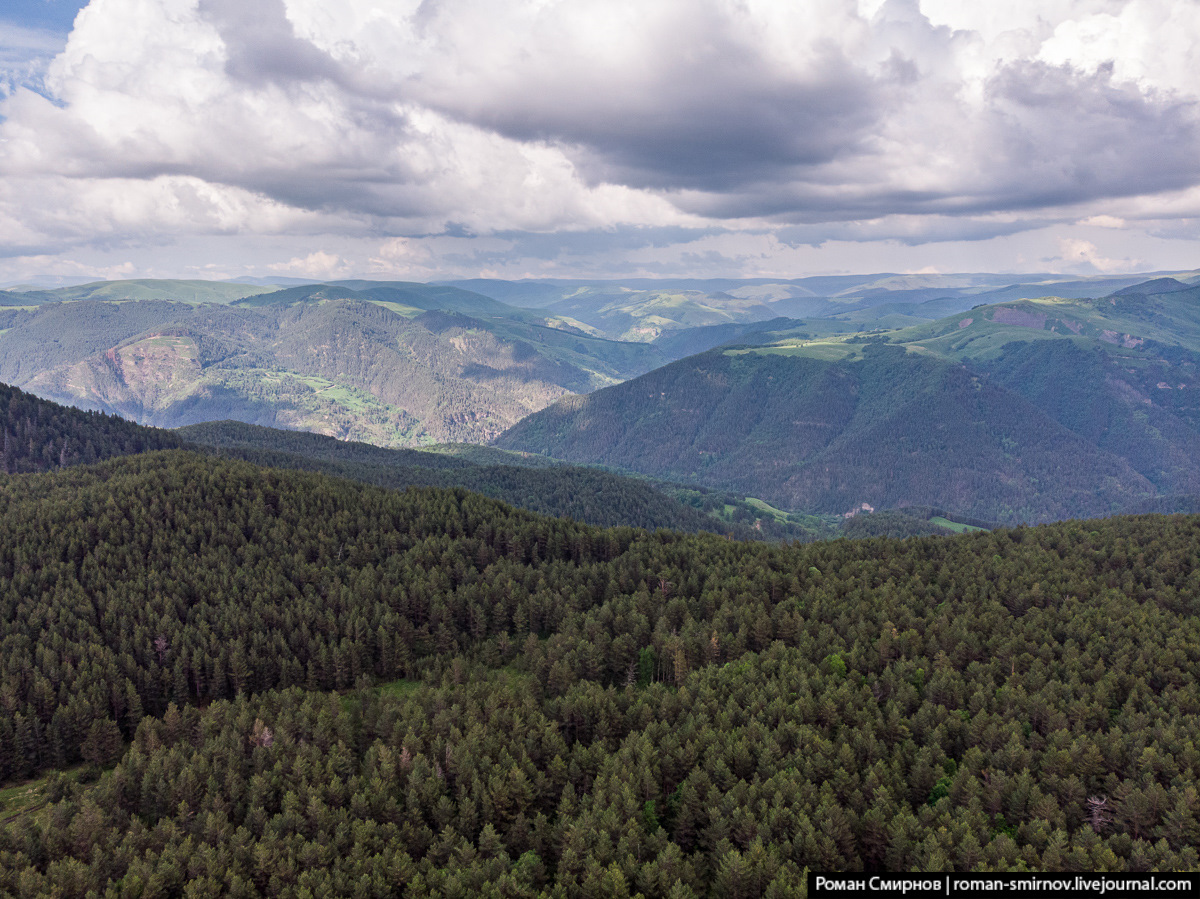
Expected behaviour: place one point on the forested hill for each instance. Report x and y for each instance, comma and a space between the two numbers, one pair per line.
874, 424
39, 435
540, 707
589, 495
1026, 410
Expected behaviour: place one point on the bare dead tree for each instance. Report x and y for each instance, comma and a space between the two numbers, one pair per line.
261, 735
1098, 814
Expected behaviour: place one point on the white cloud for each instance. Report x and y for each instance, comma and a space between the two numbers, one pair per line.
320, 265
857, 120
28, 268
25, 54
1103, 221
1081, 255
1146, 42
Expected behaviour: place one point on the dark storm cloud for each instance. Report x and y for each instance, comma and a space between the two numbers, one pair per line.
746, 136
707, 112
1062, 137
1046, 136
262, 45
710, 128
725, 131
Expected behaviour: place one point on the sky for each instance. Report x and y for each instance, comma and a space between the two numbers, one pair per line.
424, 139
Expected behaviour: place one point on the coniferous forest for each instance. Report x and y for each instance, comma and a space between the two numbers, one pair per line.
219, 678
36, 435
599, 449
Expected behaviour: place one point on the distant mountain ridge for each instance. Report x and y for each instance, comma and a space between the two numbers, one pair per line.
195, 291
884, 428
402, 364
647, 308
395, 364
1021, 411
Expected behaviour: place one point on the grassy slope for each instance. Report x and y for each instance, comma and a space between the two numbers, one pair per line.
1121, 371
642, 315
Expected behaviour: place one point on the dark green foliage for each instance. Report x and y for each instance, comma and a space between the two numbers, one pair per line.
589, 495
599, 711
103, 744
37, 436
895, 523
1146, 411
647, 666
236, 435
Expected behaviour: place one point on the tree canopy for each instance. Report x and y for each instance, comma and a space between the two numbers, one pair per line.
307, 685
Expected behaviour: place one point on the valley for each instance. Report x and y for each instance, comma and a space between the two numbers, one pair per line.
894, 391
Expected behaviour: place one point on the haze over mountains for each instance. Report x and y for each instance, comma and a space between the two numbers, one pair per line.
1004, 401
644, 309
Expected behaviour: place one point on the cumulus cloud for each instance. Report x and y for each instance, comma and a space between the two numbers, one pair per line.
857, 120
1085, 255
1103, 221
320, 265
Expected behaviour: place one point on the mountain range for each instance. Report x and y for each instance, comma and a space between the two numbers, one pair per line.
37, 435
1020, 411
824, 395
222, 677
393, 364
